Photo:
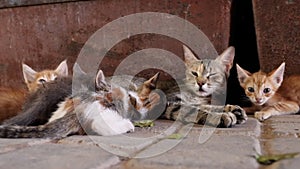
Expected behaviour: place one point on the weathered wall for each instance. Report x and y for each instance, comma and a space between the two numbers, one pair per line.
43, 35
277, 25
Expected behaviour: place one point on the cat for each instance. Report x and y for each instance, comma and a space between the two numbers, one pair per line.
107, 111
35, 79
12, 99
270, 93
203, 79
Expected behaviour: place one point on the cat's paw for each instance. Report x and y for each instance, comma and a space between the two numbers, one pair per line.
239, 112
262, 115
228, 119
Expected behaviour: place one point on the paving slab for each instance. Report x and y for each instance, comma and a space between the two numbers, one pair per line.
226, 148
219, 152
146, 148
284, 126
281, 135
55, 156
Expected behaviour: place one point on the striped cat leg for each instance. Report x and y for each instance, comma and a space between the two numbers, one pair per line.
239, 112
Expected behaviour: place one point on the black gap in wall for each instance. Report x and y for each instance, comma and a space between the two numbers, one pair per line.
243, 38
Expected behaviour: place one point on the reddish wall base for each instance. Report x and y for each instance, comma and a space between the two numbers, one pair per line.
44, 35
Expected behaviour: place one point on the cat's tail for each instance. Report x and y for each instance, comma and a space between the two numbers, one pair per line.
59, 128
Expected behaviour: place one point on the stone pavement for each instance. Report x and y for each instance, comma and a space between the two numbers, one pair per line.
149, 148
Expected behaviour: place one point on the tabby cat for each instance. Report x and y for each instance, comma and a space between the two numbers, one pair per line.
204, 78
270, 93
107, 111
12, 99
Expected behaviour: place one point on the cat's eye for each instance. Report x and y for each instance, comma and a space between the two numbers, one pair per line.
210, 75
251, 89
266, 90
195, 73
42, 80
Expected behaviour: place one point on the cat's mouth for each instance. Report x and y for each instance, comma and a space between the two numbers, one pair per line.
201, 89
202, 92
259, 102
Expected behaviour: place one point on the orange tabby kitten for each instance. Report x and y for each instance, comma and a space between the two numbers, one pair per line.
270, 93
35, 79
11, 100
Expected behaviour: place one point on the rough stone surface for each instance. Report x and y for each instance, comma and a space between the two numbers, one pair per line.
218, 152
280, 135
53, 156
226, 148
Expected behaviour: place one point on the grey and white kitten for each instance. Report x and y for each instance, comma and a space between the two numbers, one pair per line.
109, 110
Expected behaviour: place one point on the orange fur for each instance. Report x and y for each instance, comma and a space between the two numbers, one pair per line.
47, 75
270, 93
11, 100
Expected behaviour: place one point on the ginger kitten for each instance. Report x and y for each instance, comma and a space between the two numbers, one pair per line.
34, 79
270, 93
12, 99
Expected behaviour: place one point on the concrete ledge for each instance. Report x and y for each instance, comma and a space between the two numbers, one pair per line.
19, 3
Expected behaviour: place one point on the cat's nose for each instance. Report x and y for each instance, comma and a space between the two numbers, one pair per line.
258, 100
200, 84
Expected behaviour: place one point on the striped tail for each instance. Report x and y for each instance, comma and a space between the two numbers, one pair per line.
59, 128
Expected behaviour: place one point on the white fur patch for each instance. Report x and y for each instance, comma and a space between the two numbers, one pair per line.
106, 121
143, 110
59, 113
53, 77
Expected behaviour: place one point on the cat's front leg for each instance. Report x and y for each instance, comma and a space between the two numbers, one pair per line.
262, 115
217, 119
228, 111
239, 112
280, 108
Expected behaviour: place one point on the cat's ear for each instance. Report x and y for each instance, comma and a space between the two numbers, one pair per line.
100, 79
226, 58
152, 81
78, 78
28, 73
77, 71
277, 74
148, 86
242, 74
189, 57
62, 68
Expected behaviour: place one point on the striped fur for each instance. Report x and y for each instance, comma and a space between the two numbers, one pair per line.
104, 112
192, 103
270, 93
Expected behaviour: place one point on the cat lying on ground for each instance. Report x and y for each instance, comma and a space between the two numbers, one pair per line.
270, 93
109, 110
12, 99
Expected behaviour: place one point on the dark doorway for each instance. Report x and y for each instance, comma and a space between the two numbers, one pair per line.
243, 38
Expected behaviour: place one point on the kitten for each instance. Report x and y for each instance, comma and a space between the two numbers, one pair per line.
34, 79
107, 111
11, 100
204, 78
270, 93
